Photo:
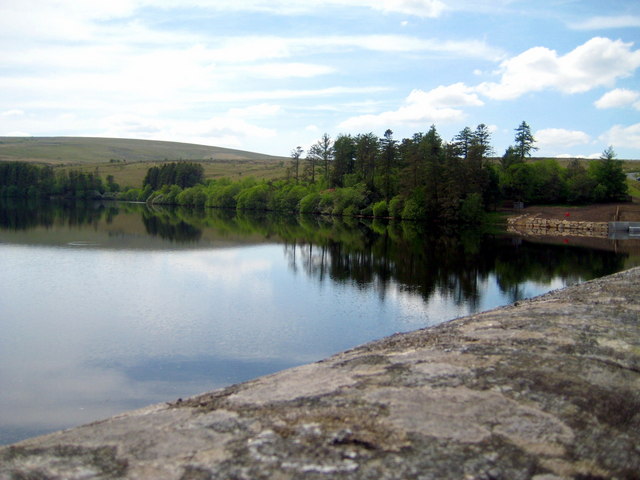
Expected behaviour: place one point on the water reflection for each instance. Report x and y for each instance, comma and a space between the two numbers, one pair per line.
168, 227
108, 307
368, 254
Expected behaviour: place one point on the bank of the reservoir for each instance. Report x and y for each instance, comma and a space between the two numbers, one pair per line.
545, 389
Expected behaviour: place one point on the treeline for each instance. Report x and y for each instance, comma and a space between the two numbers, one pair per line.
27, 180
183, 174
422, 177
416, 178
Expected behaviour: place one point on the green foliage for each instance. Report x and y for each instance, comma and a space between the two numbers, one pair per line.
130, 194
515, 182
380, 209
351, 211
417, 178
22, 179
472, 209
421, 178
524, 141
194, 196
144, 194
413, 210
167, 195
310, 203
610, 178
396, 205
344, 154
546, 180
253, 198
222, 194
286, 197
183, 174
367, 211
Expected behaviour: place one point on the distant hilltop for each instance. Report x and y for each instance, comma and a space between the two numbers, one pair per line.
88, 150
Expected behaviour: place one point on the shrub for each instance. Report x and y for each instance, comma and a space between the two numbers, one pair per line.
326, 203
310, 203
287, 199
351, 211
413, 210
253, 198
381, 209
396, 205
344, 197
223, 196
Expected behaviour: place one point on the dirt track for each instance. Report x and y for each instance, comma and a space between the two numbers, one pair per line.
627, 212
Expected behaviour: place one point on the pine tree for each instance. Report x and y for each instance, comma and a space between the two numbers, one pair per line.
524, 141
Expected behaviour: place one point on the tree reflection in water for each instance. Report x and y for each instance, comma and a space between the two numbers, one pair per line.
410, 256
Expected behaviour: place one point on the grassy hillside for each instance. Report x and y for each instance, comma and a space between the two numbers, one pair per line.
128, 160
72, 150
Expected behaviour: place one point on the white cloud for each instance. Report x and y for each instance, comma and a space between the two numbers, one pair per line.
377, 43
12, 113
622, 137
620, 97
66, 20
288, 70
77, 19
560, 138
418, 8
227, 130
604, 22
256, 111
17, 133
455, 95
287, 94
438, 105
598, 62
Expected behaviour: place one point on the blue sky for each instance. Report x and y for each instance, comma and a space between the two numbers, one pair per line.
268, 75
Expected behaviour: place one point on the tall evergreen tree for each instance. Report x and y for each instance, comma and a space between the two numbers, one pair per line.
610, 177
462, 143
344, 151
524, 141
433, 152
412, 160
296, 153
320, 152
388, 151
480, 147
366, 153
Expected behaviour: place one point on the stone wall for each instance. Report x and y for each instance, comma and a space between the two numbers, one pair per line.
536, 225
545, 389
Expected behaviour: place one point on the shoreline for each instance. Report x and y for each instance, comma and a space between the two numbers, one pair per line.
544, 389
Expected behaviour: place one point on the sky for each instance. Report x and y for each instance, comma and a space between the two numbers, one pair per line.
269, 75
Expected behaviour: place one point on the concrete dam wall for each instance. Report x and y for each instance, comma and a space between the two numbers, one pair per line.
545, 389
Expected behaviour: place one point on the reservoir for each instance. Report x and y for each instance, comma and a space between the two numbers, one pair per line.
110, 307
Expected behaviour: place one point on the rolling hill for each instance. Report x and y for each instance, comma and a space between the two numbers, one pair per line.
128, 159
81, 150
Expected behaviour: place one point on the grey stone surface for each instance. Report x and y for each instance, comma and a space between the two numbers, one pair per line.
546, 389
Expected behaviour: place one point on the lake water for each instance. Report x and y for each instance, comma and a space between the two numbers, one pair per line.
106, 308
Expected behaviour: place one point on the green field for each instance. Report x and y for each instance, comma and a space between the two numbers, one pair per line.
128, 160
